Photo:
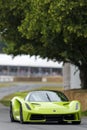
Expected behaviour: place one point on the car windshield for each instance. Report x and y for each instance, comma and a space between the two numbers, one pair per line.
46, 96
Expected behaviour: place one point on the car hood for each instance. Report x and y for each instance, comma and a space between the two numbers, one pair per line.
53, 107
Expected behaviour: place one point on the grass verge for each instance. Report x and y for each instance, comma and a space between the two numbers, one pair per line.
6, 100
84, 113
7, 84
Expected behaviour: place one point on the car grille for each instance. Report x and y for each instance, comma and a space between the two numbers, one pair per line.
51, 117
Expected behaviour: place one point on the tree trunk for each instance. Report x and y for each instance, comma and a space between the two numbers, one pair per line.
83, 76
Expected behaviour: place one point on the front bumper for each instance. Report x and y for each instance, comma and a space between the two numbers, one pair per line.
53, 117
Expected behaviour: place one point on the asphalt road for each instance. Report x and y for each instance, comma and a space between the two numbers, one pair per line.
5, 123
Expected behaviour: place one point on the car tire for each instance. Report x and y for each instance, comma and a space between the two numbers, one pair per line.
11, 113
21, 115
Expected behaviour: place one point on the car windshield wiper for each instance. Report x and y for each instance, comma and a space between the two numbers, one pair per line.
48, 97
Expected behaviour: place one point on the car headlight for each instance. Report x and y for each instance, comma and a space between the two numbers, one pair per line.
77, 106
27, 106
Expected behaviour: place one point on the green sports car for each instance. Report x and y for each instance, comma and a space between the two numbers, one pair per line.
44, 106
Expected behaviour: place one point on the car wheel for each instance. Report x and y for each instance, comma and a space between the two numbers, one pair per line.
21, 115
11, 113
76, 122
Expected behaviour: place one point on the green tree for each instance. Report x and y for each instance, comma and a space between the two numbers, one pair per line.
56, 29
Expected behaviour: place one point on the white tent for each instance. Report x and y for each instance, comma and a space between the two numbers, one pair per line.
26, 60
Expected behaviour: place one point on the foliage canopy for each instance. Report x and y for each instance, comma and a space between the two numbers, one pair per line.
56, 29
